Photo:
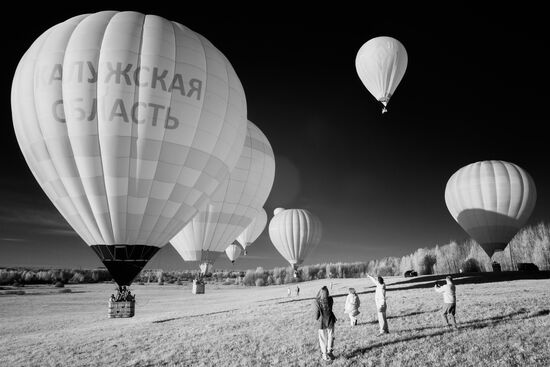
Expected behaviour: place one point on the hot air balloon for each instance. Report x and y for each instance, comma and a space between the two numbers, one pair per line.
129, 123
381, 63
233, 206
491, 200
295, 233
254, 229
233, 252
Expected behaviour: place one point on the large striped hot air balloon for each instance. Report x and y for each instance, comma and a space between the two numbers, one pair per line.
491, 200
254, 229
233, 206
129, 123
295, 233
381, 63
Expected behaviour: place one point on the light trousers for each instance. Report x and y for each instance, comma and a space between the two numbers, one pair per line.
352, 319
382, 320
326, 338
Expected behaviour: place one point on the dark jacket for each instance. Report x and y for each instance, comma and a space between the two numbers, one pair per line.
325, 320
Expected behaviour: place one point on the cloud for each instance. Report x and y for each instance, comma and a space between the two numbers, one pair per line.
13, 239
255, 257
41, 220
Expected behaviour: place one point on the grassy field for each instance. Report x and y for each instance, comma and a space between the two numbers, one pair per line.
504, 321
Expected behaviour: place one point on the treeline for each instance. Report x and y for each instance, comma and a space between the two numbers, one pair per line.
170, 277
530, 245
20, 276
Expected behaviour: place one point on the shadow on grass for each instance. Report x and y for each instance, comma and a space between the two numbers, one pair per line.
477, 323
468, 325
191, 316
398, 316
428, 281
300, 299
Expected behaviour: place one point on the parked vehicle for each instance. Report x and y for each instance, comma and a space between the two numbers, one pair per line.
527, 267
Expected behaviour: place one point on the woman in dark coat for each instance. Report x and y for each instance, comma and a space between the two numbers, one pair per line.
325, 321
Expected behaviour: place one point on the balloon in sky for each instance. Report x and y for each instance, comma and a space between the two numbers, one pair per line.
129, 123
381, 63
233, 252
295, 233
234, 204
254, 229
491, 200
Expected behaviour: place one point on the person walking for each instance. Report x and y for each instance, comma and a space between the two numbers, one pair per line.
449, 300
325, 321
297, 291
288, 292
352, 306
380, 299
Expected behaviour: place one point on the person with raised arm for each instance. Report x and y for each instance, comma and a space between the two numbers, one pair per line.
449, 300
380, 299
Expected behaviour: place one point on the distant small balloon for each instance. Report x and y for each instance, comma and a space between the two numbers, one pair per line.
381, 63
295, 233
254, 230
233, 252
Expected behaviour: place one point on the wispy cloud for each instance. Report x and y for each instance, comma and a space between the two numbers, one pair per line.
42, 220
255, 257
7, 239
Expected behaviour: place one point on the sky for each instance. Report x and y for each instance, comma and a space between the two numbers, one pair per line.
474, 89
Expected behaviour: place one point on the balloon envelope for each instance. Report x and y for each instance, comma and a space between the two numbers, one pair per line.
254, 229
234, 205
277, 210
381, 63
129, 123
295, 233
491, 200
233, 252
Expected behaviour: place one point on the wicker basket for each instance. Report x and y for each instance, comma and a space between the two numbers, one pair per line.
198, 287
122, 308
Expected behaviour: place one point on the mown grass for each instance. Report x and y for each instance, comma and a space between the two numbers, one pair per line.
502, 323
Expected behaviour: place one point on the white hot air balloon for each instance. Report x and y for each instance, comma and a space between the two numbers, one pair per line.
233, 206
254, 230
491, 200
233, 252
381, 63
277, 210
129, 123
295, 233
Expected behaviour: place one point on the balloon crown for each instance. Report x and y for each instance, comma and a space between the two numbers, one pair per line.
278, 210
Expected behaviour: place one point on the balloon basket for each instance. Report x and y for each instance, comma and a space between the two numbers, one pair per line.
119, 309
198, 286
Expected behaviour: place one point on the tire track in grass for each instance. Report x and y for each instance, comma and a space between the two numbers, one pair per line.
191, 316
